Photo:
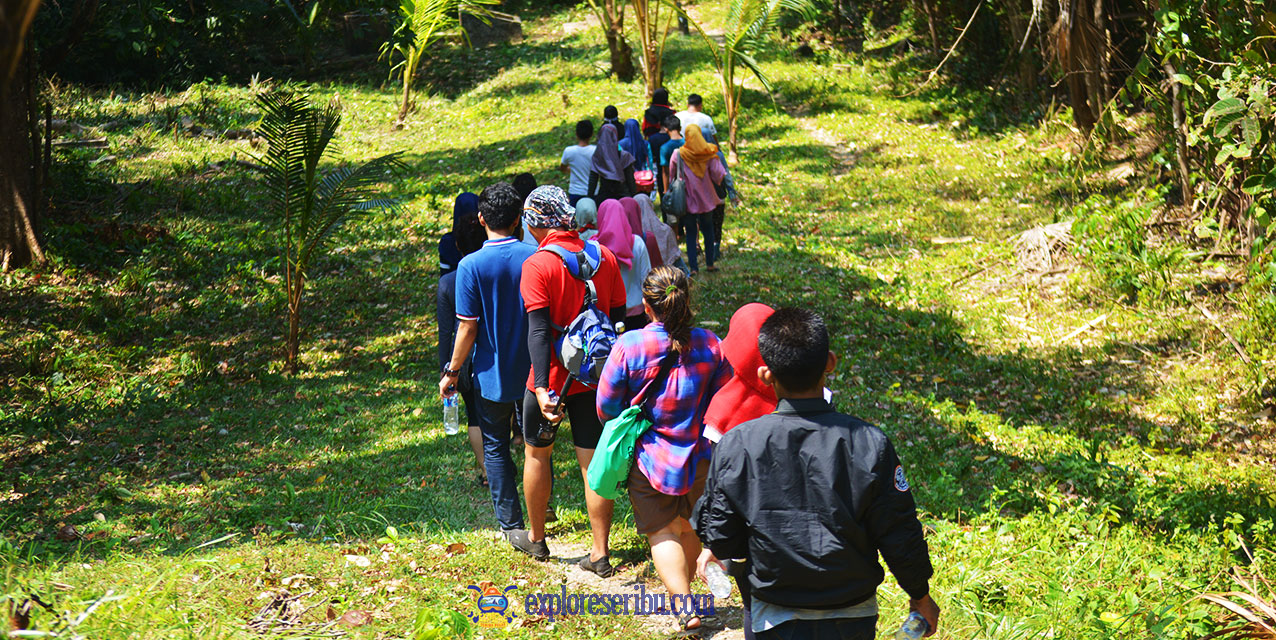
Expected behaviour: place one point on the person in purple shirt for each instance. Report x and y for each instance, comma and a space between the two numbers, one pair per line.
675, 370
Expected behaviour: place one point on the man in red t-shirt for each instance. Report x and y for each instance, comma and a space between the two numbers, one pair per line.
553, 297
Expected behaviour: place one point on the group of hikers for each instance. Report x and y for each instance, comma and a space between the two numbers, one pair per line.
745, 459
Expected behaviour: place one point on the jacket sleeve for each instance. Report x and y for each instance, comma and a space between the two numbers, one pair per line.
593, 184
445, 313
893, 525
720, 525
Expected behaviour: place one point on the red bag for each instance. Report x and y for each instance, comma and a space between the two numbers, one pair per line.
645, 180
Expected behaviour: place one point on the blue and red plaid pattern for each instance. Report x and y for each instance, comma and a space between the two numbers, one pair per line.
669, 451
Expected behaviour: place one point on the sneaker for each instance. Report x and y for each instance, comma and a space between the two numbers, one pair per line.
550, 516
522, 541
601, 566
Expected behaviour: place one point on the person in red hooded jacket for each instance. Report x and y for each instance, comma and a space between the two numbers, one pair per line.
745, 397
742, 399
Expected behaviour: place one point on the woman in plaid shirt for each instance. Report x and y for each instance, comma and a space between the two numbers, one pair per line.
672, 457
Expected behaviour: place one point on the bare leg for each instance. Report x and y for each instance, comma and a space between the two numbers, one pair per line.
599, 508
690, 547
673, 561
536, 487
476, 443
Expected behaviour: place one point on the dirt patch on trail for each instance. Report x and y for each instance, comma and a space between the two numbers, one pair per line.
564, 559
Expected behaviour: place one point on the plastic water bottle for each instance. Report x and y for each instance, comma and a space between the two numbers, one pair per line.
719, 583
452, 414
549, 429
914, 627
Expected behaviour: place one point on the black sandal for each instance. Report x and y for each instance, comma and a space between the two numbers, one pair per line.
602, 566
686, 618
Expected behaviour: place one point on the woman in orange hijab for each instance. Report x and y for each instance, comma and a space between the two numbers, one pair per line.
697, 162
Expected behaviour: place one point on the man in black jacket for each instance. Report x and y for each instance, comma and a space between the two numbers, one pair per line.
808, 497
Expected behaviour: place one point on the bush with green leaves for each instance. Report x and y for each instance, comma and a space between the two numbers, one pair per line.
1114, 240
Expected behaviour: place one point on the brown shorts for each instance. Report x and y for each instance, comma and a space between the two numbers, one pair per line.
653, 510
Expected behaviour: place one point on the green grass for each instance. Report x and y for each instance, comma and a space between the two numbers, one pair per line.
1079, 488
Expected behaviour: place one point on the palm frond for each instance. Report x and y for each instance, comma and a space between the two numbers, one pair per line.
347, 191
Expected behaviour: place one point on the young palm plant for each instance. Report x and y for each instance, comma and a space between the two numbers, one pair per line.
310, 204
424, 22
748, 24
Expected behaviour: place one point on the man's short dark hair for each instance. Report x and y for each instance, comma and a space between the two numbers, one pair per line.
524, 184
672, 123
660, 96
610, 113
500, 206
585, 130
794, 344
694, 100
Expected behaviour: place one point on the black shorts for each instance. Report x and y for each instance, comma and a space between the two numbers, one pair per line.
581, 411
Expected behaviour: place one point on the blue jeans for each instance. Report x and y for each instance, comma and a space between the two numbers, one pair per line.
498, 420
703, 222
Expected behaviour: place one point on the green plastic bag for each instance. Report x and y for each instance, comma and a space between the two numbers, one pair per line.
609, 469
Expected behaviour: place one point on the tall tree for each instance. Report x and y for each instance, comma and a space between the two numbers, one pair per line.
652, 33
611, 15
19, 242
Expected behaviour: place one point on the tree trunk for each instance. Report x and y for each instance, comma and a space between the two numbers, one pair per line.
1026, 66
622, 56
650, 40
19, 206
928, 7
1180, 136
296, 288
1104, 51
1072, 50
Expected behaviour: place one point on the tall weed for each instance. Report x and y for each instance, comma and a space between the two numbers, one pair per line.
1114, 240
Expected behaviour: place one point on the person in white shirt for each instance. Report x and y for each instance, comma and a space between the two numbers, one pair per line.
575, 162
693, 114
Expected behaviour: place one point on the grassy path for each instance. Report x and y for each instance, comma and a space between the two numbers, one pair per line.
1078, 488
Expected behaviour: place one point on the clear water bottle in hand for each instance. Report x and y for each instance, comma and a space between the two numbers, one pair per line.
914, 627
719, 583
452, 414
548, 429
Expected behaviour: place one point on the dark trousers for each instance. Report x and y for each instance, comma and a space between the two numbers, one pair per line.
719, 216
498, 420
835, 629
693, 226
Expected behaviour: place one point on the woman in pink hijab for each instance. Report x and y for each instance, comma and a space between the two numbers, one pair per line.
634, 215
615, 233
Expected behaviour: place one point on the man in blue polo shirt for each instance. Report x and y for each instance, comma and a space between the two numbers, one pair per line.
492, 322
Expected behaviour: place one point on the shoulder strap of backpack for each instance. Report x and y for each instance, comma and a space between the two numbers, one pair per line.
583, 265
